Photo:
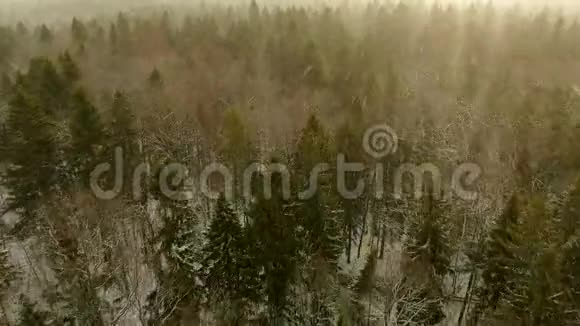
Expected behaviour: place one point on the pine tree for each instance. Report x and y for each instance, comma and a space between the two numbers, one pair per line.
69, 68
538, 291
570, 248
254, 11
322, 232
79, 32
45, 87
7, 43
429, 252
32, 152
123, 30
155, 80
236, 147
5, 86
122, 125
45, 35
21, 29
226, 275
500, 258
537, 288
348, 144
428, 239
113, 38
87, 132
274, 247
313, 148
123, 134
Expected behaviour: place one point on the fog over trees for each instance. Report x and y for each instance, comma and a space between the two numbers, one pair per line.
155, 157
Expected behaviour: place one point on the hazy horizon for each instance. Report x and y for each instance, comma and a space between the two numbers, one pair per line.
49, 10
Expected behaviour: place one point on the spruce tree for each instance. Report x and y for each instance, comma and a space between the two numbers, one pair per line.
428, 239
21, 29
538, 293
7, 43
236, 147
274, 247
348, 144
113, 38
79, 32
45, 35
501, 257
87, 133
570, 247
46, 88
32, 151
225, 275
123, 134
429, 252
122, 124
123, 30
69, 68
155, 79
5, 85
320, 225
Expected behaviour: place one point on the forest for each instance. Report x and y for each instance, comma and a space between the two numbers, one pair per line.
255, 84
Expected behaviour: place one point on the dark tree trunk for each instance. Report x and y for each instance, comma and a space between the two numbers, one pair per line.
467, 298
383, 236
349, 243
362, 235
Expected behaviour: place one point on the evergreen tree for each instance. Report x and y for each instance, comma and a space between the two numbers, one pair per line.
429, 252
428, 240
7, 43
45, 35
570, 230
45, 88
122, 126
348, 144
322, 232
69, 68
79, 32
221, 252
113, 38
537, 295
5, 86
21, 29
155, 80
274, 247
87, 134
32, 152
313, 148
500, 258
225, 272
123, 134
236, 147
123, 30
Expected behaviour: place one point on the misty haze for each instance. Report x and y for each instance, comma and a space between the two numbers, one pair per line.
293, 162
